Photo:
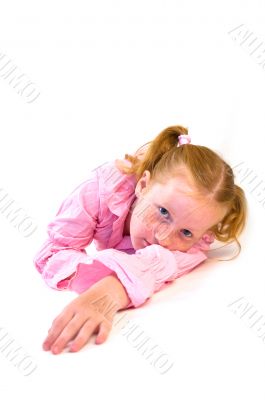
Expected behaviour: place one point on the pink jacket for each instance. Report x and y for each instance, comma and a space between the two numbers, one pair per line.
96, 210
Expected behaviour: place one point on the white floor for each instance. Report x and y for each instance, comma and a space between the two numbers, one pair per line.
111, 76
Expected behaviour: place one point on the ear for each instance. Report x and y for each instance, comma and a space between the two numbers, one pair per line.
142, 184
209, 236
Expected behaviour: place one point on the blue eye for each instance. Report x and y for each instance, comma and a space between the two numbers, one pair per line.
186, 230
162, 208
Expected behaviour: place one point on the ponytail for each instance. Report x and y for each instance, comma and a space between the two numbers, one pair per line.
149, 155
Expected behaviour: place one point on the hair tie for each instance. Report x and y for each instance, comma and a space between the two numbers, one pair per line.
184, 139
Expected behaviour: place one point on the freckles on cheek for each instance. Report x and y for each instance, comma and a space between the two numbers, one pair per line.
181, 247
146, 219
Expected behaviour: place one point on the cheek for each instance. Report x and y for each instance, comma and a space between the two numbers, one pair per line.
142, 217
137, 225
185, 246
179, 245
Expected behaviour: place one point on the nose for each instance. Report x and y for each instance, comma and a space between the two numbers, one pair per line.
165, 242
165, 237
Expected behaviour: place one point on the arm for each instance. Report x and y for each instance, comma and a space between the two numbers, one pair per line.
142, 273
134, 279
69, 233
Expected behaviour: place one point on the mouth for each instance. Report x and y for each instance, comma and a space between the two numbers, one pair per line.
147, 243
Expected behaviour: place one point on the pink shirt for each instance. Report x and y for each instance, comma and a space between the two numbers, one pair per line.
96, 211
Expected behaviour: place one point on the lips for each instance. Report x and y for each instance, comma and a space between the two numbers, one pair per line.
147, 243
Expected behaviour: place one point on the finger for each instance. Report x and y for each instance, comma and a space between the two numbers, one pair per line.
57, 327
104, 330
83, 336
68, 333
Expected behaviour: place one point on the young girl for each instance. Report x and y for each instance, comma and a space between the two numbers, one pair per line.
152, 217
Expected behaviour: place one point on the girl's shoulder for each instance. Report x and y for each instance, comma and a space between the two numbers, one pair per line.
116, 189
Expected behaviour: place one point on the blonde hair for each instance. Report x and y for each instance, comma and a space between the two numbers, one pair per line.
210, 173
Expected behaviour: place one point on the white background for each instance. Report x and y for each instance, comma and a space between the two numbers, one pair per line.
111, 76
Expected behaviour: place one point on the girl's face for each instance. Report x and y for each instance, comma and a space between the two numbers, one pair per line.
170, 214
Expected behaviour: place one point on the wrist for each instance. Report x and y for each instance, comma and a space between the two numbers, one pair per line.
111, 287
116, 291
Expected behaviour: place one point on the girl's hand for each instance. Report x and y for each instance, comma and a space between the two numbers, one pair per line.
92, 310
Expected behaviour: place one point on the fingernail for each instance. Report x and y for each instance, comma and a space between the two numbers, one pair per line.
73, 348
55, 350
45, 346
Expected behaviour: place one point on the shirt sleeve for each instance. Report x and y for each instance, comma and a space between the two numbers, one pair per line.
142, 273
69, 233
